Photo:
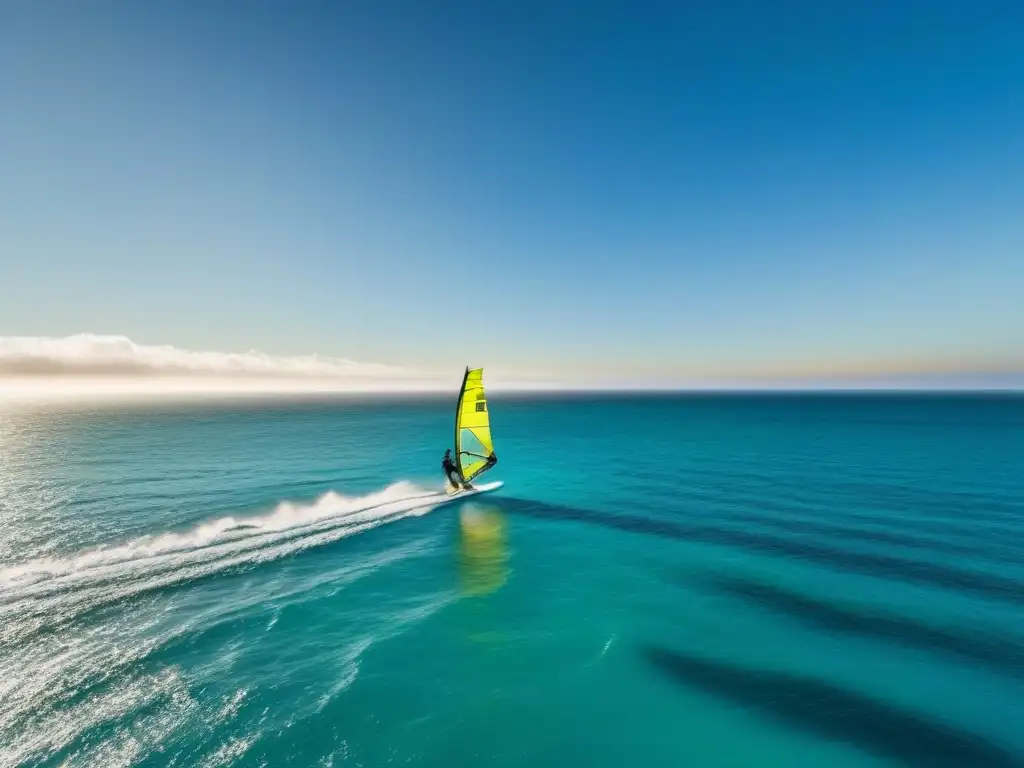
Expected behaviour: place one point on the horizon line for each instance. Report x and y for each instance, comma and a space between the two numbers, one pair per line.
112, 398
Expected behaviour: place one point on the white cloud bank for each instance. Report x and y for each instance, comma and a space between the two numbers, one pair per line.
86, 354
95, 365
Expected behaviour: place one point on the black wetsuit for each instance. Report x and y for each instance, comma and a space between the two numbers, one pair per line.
451, 471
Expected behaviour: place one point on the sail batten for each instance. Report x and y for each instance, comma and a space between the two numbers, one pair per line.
474, 446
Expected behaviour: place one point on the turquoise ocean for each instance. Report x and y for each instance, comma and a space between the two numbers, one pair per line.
663, 580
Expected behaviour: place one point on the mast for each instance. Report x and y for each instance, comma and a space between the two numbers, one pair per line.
458, 413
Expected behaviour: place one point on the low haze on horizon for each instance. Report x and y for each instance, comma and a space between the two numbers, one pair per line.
736, 194
94, 366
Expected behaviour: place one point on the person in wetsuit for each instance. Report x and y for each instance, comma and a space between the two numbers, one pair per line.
450, 470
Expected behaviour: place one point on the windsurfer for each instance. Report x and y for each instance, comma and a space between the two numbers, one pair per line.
451, 471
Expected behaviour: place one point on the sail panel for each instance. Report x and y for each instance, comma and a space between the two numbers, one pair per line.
473, 442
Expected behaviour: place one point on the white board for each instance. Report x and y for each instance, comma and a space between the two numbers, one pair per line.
476, 491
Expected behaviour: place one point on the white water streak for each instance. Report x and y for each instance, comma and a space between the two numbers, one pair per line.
46, 676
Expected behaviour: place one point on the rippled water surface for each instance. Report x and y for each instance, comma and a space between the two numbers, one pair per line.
662, 580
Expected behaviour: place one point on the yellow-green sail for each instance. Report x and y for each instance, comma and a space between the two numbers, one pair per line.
474, 448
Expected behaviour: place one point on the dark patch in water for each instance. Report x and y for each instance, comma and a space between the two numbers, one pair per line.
831, 712
793, 525
870, 564
1003, 656
956, 504
980, 535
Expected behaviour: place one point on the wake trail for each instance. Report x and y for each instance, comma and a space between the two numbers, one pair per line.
48, 588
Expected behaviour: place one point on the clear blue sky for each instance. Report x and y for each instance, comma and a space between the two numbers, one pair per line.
649, 188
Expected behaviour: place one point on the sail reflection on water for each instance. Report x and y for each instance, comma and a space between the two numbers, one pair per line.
483, 552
